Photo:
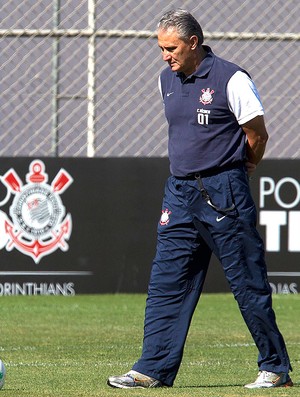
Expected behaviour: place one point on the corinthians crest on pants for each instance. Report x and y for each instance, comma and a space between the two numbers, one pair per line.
39, 224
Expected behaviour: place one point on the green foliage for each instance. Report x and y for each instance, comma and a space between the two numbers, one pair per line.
68, 346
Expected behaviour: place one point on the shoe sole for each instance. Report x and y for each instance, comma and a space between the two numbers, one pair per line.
287, 384
156, 384
120, 386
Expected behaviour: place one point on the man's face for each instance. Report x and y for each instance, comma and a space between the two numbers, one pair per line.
179, 54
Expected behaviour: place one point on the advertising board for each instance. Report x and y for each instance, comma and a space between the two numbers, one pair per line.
78, 225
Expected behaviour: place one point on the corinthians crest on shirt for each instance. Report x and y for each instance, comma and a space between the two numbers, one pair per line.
207, 96
39, 224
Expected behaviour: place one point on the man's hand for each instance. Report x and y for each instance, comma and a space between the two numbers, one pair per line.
250, 168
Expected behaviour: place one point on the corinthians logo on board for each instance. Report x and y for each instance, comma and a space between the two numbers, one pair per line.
39, 224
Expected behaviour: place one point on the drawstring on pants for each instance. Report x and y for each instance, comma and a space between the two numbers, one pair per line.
206, 197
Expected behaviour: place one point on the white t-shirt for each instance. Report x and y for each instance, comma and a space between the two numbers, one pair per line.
243, 98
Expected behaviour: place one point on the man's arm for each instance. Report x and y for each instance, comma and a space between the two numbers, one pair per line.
257, 138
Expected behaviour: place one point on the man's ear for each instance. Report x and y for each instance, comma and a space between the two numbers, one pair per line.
194, 42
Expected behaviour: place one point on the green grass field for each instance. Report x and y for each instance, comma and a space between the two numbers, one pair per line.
68, 346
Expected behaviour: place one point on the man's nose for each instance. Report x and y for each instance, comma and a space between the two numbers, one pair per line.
166, 56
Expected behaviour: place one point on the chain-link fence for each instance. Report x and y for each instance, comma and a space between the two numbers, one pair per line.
79, 77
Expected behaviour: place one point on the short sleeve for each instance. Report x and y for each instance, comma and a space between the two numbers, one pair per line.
243, 98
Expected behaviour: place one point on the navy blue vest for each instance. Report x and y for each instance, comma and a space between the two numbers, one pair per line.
203, 133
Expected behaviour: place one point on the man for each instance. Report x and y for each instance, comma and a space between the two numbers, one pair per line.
217, 136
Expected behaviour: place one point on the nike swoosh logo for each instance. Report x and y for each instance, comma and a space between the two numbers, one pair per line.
220, 219
170, 93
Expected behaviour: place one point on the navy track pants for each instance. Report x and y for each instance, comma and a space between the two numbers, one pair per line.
188, 232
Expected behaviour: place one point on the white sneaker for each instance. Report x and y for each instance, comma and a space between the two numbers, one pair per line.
270, 379
133, 379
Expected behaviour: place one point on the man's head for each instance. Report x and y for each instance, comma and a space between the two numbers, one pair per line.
183, 22
180, 39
